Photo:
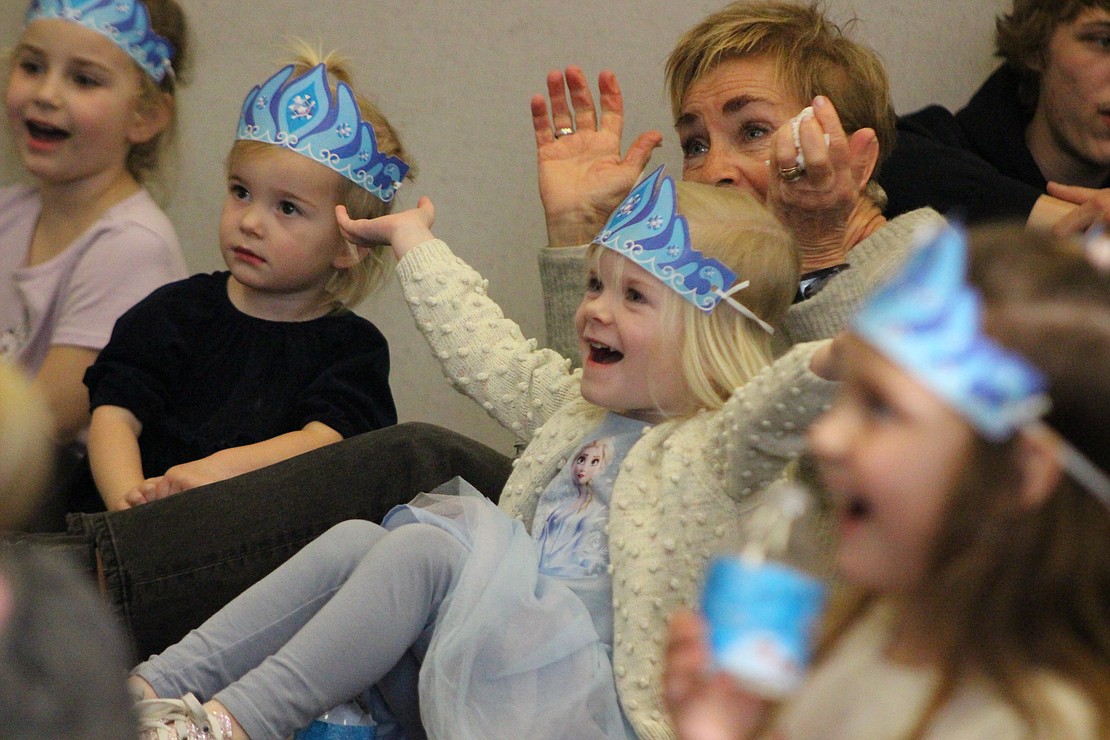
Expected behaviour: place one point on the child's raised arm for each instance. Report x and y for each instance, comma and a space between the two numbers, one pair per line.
402, 231
763, 425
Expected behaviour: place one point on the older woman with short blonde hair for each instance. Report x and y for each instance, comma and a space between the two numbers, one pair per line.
737, 81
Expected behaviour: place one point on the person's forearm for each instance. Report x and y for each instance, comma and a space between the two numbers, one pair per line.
562, 276
1047, 211
114, 455
574, 229
244, 459
59, 379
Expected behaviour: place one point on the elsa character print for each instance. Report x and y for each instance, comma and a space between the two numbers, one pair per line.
591, 460
572, 541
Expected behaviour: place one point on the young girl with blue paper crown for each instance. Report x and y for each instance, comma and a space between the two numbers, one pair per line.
967, 457
90, 103
224, 373
677, 344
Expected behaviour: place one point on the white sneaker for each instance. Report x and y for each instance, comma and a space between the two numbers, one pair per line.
180, 719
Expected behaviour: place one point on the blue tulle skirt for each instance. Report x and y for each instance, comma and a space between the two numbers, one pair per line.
514, 653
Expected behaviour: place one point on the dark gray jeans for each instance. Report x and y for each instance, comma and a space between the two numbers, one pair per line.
171, 564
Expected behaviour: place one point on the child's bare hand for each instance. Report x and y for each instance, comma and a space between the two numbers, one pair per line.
825, 362
151, 489
704, 705
143, 493
179, 478
402, 231
192, 474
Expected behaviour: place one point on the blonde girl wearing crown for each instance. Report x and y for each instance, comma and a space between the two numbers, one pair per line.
506, 649
221, 374
91, 112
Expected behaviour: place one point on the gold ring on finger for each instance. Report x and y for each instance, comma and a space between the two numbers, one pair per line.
790, 174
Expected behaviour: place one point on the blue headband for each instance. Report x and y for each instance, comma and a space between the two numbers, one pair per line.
125, 22
647, 229
302, 115
928, 320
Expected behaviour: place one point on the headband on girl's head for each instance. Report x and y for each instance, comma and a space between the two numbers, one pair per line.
125, 22
928, 320
647, 229
302, 115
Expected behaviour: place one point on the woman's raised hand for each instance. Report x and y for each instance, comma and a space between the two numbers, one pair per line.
819, 203
582, 175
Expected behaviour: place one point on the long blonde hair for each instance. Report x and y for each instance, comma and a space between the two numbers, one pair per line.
723, 349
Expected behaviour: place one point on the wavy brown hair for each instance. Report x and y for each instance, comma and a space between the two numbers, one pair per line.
145, 161
1017, 590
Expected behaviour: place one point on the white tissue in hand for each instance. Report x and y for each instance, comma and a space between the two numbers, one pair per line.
795, 127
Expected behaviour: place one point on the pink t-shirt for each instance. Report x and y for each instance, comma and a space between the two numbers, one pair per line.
75, 298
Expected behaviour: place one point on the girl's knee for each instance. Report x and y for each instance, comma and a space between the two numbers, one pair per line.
348, 541
426, 545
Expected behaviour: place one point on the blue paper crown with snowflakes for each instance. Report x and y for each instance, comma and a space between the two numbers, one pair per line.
301, 114
647, 229
125, 22
927, 319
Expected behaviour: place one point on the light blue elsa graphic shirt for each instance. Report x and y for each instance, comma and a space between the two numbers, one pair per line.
572, 514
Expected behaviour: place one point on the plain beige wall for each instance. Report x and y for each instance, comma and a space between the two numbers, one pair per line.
455, 79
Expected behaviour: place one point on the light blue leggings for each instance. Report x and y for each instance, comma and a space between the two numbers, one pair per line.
329, 623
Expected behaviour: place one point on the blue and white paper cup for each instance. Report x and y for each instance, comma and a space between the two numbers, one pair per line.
762, 617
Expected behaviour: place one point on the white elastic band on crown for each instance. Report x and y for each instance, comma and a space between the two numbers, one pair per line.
727, 296
1077, 465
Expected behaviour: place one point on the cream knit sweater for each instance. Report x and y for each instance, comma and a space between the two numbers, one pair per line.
858, 692
682, 492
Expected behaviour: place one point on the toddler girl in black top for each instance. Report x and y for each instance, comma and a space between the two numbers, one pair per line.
222, 374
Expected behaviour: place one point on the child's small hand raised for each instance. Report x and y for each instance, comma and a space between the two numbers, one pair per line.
704, 704
402, 231
826, 362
